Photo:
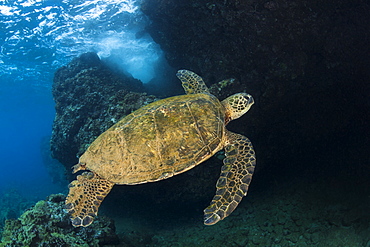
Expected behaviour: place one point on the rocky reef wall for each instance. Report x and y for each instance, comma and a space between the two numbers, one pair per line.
260, 41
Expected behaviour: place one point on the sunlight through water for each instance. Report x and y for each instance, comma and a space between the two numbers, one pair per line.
40, 36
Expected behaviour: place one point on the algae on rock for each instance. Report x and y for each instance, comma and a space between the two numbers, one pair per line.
46, 224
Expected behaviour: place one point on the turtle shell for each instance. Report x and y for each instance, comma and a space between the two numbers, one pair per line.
157, 141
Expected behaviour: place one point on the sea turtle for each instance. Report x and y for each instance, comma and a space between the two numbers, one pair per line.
163, 139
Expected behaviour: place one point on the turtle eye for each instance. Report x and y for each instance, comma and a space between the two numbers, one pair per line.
250, 99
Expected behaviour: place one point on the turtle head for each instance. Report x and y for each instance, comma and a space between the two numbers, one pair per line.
236, 105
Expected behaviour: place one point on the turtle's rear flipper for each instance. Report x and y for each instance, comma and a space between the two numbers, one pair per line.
236, 175
85, 196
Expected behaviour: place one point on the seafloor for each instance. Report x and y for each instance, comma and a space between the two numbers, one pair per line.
300, 212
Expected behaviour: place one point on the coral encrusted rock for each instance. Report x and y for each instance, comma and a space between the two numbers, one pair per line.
46, 224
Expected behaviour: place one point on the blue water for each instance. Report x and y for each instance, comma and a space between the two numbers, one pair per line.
39, 36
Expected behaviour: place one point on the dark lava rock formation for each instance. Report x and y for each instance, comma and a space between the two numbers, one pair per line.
260, 41
89, 99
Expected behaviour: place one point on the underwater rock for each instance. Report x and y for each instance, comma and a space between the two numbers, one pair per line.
258, 40
89, 98
46, 224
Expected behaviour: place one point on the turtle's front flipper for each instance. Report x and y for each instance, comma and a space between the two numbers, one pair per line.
236, 175
84, 198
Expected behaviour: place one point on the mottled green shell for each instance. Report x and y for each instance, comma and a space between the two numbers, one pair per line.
162, 139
